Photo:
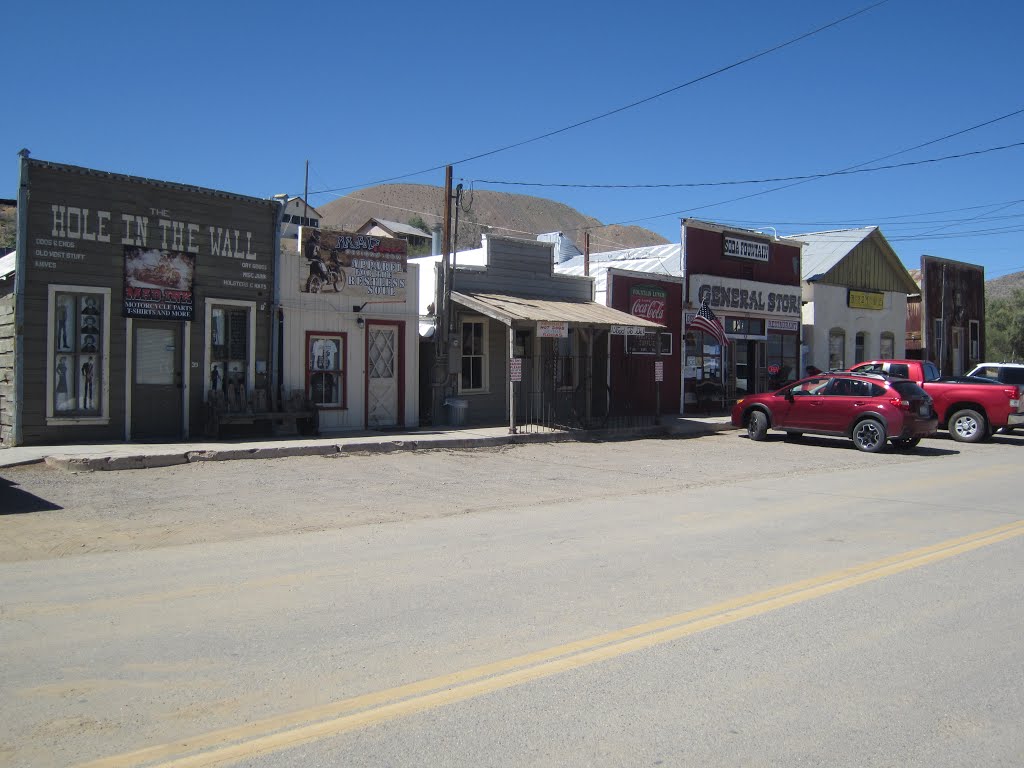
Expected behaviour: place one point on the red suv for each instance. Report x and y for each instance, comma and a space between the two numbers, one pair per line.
867, 408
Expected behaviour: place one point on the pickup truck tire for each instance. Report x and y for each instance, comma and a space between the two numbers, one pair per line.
757, 425
868, 435
906, 443
967, 426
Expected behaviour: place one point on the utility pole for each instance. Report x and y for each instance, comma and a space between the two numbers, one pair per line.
443, 311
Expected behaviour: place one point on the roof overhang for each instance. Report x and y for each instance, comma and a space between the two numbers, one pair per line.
509, 308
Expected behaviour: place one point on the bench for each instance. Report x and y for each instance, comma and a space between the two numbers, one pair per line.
298, 417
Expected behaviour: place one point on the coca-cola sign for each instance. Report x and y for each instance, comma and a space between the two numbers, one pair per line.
648, 302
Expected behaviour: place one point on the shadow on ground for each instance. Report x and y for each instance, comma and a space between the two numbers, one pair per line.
14, 501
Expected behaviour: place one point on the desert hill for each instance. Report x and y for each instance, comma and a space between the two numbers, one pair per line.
499, 213
1003, 287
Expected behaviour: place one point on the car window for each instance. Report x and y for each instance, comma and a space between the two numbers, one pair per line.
869, 368
931, 373
877, 390
1013, 375
900, 369
860, 388
815, 386
908, 389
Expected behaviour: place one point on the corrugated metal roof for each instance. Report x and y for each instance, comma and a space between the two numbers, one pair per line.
823, 250
7, 263
653, 259
565, 248
508, 308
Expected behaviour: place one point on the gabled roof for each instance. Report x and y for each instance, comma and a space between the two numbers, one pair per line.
396, 227
824, 252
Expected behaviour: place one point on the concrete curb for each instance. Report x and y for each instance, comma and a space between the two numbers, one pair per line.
76, 463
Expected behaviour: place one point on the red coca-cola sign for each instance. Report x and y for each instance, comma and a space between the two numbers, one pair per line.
648, 302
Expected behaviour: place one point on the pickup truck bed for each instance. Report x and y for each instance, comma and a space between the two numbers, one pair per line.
971, 410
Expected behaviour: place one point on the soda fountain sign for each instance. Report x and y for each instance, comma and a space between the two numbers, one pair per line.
648, 302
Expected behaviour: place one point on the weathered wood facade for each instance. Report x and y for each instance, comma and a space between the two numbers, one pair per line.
134, 300
952, 318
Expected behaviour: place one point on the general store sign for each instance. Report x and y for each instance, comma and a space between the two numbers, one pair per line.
746, 249
754, 298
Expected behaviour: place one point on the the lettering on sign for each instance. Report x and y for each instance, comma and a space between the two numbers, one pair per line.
71, 225
515, 369
550, 329
746, 249
659, 371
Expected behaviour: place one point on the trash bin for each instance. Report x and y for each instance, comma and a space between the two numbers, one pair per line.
457, 408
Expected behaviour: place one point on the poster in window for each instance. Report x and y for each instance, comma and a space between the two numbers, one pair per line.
323, 355
158, 283
65, 324
64, 384
87, 383
217, 327
218, 379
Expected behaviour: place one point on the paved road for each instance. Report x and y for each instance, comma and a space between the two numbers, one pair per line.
655, 602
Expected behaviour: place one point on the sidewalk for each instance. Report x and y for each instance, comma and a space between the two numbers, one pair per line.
115, 456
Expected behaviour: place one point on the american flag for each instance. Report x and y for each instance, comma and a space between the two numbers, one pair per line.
706, 321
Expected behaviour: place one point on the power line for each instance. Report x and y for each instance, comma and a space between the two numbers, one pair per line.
617, 110
807, 181
808, 177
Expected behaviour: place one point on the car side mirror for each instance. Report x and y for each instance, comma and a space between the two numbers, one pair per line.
789, 395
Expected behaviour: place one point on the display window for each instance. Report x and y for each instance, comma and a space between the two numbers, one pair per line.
325, 369
782, 358
229, 353
78, 318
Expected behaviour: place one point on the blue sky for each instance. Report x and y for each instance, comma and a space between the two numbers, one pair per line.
238, 96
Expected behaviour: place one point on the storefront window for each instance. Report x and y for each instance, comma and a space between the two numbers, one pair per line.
325, 370
78, 348
229, 353
782, 359
565, 361
836, 349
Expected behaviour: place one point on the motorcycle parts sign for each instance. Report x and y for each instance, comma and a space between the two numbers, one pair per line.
158, 283
365, 267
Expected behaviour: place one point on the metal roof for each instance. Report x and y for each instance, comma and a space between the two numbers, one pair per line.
7, 263
399, 227
823, 250
653, 259
509, 307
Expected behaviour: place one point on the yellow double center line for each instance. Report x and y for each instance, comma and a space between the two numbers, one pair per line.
277, 733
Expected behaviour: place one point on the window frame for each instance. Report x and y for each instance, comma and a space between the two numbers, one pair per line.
890, 338
483, 354
53, 417
837, 333
250, 377
974, 339
341, 370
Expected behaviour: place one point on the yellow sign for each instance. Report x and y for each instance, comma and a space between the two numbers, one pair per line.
865, 300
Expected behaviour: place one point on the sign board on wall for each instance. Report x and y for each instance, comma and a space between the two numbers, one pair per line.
515, 369
648, 302
364, 267
157, 240
158, 283
552, 329
865, 299
746, 249
749, 296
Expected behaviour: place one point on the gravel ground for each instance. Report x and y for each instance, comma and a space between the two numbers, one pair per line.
51, 513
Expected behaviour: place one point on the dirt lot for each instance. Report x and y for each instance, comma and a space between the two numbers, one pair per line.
51, 513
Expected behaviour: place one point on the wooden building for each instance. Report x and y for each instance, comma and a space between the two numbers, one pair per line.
134, 302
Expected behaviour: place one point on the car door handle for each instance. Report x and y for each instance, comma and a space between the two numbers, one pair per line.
859, 404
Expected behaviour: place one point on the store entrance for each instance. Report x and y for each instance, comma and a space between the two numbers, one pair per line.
749, 369
157, 382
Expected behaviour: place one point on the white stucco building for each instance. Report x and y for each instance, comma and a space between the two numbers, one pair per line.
854, 290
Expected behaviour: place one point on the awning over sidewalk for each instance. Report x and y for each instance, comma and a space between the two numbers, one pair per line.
508, 308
